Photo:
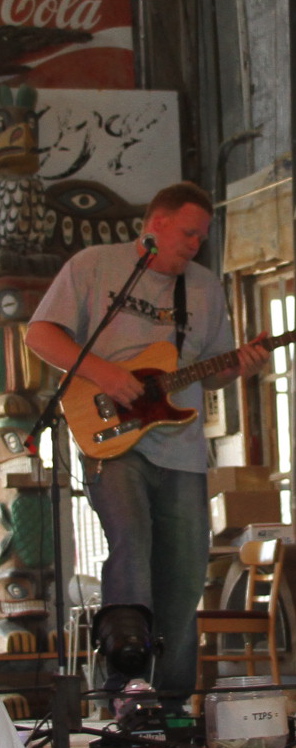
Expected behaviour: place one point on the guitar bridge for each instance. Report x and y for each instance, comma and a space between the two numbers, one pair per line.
121, 428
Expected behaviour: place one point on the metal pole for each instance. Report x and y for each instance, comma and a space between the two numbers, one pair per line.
292, 16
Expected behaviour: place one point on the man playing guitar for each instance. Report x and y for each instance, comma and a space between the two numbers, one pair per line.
151, 494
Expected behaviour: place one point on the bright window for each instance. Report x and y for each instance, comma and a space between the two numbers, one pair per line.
276, 303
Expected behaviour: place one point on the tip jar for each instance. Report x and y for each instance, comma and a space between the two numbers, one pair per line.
242, 712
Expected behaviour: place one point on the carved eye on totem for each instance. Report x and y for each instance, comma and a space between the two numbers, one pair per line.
84, 201
17, 591
88, 201
13, 442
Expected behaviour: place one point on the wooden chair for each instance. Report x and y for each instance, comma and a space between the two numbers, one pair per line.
263, 562
16, 705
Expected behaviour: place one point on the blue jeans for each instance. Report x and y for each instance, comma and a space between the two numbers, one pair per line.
156, 525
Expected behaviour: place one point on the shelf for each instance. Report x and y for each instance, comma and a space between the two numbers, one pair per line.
8, 656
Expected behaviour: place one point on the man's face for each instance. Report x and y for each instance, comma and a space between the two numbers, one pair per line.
179, 236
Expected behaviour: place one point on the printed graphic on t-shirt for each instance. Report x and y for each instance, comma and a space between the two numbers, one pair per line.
143, 308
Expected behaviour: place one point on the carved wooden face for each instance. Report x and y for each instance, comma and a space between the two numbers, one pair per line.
24, 592
18, 141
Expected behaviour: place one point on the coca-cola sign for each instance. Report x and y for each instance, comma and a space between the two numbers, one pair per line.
65, 14
72, 14
105, 61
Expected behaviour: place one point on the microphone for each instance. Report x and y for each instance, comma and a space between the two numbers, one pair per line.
149, 242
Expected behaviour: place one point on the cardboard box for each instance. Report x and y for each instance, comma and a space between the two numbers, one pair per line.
268, 531
244, 478
233, 510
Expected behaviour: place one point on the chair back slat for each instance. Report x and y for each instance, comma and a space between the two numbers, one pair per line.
263, 552
264, 562
262, 599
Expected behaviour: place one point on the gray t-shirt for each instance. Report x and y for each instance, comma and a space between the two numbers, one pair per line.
79, 298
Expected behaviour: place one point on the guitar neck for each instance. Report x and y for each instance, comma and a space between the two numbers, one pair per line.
172, 381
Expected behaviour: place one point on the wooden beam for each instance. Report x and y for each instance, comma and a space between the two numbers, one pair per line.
241, 383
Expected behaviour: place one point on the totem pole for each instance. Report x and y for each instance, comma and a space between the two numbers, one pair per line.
26, 539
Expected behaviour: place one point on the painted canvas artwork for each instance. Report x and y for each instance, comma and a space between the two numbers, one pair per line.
128, 142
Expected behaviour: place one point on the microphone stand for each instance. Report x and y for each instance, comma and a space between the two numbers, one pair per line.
61, 721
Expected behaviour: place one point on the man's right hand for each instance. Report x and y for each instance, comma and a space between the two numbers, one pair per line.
53, 344
119, 383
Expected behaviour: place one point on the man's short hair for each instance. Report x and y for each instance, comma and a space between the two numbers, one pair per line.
176, 195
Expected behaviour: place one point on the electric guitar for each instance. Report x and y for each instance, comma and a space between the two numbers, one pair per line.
104, 429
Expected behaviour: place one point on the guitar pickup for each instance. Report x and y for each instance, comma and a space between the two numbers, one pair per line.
105, 406
121, 428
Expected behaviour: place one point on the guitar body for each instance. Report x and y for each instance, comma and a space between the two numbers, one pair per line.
102, 428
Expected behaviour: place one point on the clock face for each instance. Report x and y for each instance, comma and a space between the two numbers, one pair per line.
10, 303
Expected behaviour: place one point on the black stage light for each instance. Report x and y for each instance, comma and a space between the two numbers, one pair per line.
122, 633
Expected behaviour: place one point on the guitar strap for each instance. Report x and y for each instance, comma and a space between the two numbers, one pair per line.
180, 311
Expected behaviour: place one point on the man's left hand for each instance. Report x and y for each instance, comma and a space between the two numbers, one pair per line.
252, 356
